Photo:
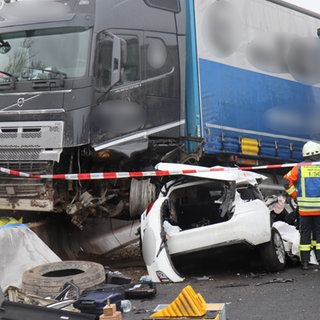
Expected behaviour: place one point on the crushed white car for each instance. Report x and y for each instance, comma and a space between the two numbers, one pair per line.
207, 210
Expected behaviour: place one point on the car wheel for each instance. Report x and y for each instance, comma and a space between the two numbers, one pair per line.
273, 254
47, 280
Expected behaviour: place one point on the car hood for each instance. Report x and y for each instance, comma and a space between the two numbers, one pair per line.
217, 173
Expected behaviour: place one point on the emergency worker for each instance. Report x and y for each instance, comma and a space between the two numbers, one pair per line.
303, 184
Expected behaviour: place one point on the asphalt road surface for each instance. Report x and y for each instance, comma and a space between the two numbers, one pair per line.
248, 292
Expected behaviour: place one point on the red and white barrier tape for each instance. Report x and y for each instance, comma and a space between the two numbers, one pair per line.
139, 174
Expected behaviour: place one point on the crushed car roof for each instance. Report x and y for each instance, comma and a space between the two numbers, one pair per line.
222, 173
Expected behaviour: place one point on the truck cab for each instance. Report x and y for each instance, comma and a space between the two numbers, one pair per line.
87, 86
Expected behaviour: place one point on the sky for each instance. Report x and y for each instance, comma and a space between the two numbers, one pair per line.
313, 5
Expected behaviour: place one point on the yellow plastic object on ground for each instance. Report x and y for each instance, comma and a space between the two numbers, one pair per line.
9, 220
187, 304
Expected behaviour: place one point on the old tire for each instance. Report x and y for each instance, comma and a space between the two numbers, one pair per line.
273, 254
47, 280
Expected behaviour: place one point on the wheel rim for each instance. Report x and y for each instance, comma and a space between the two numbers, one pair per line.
279, 249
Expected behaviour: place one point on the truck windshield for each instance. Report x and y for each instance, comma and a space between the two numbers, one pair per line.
44, 54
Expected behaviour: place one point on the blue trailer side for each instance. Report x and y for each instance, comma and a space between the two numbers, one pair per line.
258, 76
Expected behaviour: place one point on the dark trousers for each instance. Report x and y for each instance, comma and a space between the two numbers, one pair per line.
309, 230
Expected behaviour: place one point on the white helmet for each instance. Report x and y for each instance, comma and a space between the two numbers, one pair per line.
310, 149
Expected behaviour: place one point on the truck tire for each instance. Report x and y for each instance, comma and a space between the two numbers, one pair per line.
142, 192
47, 280
273, 254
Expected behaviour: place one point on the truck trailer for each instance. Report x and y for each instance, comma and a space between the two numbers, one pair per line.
89, 86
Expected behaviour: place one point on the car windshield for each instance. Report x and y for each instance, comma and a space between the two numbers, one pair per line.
44, 54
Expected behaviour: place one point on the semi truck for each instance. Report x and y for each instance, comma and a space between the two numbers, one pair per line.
89, 86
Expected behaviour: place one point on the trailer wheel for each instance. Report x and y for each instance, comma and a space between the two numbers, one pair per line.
273, 254
47, 280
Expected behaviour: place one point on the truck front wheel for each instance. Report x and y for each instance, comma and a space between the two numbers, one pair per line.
142, 192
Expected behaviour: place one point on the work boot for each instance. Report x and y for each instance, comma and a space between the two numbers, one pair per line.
304, 265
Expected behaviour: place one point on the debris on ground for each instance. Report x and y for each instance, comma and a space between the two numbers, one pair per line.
43, 285
127, 260
277, 280
72, 295
232, 285
15, 310
12, 310
115, 276
202, 278
94, 301
17, 295
141, 290
256, 275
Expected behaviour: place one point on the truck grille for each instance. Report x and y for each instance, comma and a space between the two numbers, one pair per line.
15, 187
22, 190
40, 167
31, 140
16, 154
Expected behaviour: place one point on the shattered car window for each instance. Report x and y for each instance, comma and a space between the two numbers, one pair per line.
200, 205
